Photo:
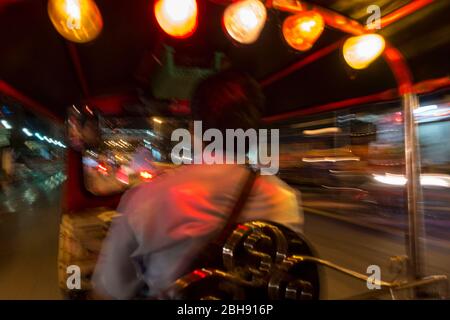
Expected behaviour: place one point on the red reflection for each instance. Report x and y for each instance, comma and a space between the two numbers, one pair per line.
200, 274
242, 227
102, 169
398, 117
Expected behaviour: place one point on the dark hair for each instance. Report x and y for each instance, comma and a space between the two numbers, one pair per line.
228, 100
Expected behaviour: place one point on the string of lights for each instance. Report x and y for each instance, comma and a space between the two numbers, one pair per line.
243, 21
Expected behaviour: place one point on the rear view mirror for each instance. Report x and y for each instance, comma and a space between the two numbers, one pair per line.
83, 128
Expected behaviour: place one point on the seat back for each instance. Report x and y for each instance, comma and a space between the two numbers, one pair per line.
254, 263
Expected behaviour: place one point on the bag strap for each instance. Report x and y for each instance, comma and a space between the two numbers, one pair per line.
238, 206
210, 249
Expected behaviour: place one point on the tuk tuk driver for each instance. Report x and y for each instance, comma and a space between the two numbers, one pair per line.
165, 222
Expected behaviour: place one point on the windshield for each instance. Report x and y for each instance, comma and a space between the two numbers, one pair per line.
132, 150
350, 168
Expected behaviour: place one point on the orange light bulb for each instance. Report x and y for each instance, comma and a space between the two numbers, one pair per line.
303, 29
178, 18
76, 20
244, 20
362, 50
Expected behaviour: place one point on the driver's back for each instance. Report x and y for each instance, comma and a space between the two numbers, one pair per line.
165, 223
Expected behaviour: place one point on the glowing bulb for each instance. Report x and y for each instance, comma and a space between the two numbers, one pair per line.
178, 18
244, 20
301, 30
360, 51
76, 20
73, 9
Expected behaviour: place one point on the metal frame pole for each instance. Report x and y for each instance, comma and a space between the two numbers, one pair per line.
413, 187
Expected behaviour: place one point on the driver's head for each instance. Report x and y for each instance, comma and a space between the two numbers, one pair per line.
228, 100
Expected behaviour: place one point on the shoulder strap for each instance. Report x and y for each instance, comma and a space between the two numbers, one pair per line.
212, 250
238, 206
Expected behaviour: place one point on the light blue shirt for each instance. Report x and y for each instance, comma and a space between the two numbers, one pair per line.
166, 221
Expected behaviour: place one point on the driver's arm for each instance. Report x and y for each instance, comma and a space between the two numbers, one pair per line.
115, 276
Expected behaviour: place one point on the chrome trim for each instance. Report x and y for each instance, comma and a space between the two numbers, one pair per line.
413, 188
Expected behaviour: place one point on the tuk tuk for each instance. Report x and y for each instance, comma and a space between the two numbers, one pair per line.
357, 89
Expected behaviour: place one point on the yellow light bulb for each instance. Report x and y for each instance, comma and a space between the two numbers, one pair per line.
303, 29
76, 20
178, 18
244, 20
362, 50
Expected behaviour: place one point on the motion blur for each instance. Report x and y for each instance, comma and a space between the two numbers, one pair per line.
357, 201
